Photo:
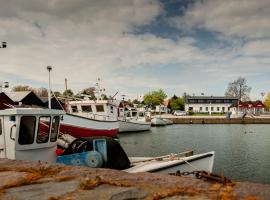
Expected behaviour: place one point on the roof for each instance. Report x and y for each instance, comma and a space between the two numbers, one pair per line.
210, 97
17, 96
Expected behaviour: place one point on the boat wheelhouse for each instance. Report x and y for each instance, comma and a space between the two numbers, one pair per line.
29, 133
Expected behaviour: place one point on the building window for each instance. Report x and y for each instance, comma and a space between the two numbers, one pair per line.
55, 127
212, 108
217, 108
190, 108
43, 129
27, 130
74, 109
206, 108
111, 108
200, 109
99, 108
86, 109
223, 109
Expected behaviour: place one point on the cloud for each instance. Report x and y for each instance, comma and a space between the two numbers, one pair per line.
243, 18
83, 40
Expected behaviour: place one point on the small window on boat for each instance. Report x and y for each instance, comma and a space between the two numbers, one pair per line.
128, 114
55, 127
100, 108
43, 129
111, 107
134, 114
27, 130
86, 108
74, 109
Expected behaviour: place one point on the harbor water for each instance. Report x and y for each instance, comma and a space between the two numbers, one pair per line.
242, 151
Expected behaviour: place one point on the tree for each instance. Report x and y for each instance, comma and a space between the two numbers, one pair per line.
154, 97
57, 93
177, 103
19, 88
238, 88
68, 92
89, 91
41, 92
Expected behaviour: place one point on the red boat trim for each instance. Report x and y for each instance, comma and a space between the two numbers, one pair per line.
78, 132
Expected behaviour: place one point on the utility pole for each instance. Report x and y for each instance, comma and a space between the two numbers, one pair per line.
49, 68
65, 84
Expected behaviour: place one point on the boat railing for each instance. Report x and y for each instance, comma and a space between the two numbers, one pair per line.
97, 116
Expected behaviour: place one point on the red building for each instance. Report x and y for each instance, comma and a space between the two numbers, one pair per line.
252, 107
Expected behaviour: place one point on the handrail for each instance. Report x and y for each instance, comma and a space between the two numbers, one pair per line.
11, 131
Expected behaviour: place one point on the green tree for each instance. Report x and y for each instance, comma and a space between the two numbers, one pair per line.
177, 103
238, 88
57, 93
154, 97
68, 92
89, 91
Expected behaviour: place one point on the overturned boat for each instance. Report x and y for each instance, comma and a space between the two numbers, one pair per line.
31, 134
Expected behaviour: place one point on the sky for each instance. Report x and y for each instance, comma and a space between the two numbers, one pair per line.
137, 46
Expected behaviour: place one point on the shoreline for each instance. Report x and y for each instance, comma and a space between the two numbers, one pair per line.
216, 120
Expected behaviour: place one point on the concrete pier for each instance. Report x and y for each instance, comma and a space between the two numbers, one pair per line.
32, 180
216, 120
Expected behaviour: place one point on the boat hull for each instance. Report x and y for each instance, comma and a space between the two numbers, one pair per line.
78, 126
158, 122
197, 162
133, 126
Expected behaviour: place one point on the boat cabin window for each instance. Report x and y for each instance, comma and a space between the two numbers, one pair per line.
27, 130
141, 114
55, 127
43, 129
74, 109
134, 114
128, 114
100, 108
86, 108
111, 107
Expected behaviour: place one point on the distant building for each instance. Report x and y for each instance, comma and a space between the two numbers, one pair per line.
209, 104
25, 98
248, 107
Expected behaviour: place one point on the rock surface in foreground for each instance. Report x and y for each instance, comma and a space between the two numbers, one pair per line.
30, 180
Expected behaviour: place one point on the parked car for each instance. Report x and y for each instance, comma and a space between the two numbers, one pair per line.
179, 113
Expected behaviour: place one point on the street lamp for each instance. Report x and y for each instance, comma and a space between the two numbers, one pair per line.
49, 68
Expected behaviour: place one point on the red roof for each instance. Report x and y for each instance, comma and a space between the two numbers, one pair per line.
249, 104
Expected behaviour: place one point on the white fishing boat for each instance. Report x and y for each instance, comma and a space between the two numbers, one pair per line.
132, 121
157, 121
167, 121
85, 118
31, 134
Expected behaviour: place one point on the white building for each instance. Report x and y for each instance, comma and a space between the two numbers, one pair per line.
209, 104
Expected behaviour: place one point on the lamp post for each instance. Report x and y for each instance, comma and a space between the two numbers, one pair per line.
49, 68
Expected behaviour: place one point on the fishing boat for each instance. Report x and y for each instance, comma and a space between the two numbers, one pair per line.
31, 134
85, 118
132, 120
